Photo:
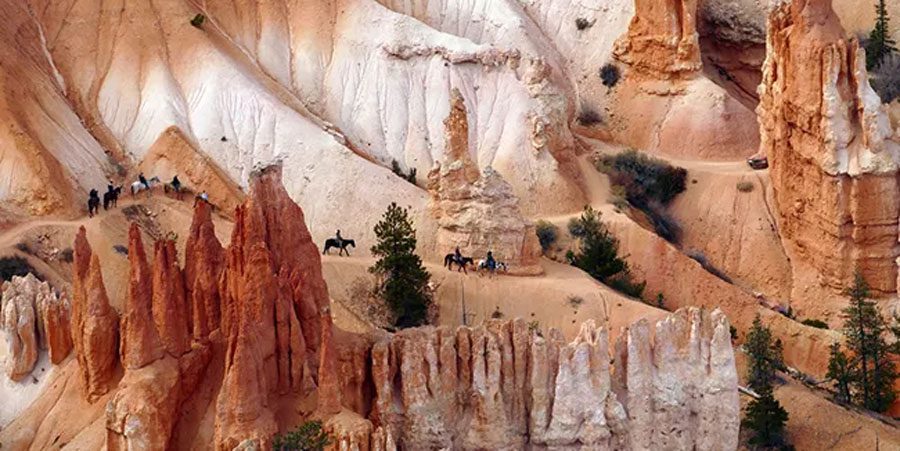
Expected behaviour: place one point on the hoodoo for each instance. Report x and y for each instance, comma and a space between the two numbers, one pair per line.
833, 161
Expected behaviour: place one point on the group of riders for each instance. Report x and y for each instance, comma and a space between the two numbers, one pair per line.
489, 263
111, 196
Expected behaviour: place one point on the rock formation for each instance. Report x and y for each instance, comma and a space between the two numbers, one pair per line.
33, 318
828, 140
95, 325
477, 210
662, 40
504, 386
140, 343
201, 275
162, 366
274, 300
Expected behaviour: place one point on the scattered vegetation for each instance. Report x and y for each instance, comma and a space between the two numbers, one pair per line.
610, 75
660, 301
308, 436
699, 257
120, 249
598, 255
575, 301
733, 332
409, 177
402, 280
576, 228
198, 20
865, 375
764, 416
24, 247
745, 186
879, 44
589, 117
583, 24
547, 234
497, 314
885, 78
649, 184
534, 327
817, 323
67, 255
15, 266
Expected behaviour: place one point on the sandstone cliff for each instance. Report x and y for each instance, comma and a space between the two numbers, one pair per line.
829, 144
662, 39
477, 210
506, 385
33, 317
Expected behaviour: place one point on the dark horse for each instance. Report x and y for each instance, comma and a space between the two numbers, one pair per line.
93, 204
332, 242
111, 198
462, 262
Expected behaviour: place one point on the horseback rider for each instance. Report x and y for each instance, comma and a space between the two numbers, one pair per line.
176, 184
458, 255
143, 180
490, 262
339, 239
109, 187
94, 194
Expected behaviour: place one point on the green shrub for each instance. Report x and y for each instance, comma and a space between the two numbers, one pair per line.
576, 229
497, 314
588, 117
409, 177
745, 186
198, 20
598, 255
582, 24
575, 301
15, 266
885, 78
644, 178
308, 436
610, 75
817, 323
547, 234
67, 255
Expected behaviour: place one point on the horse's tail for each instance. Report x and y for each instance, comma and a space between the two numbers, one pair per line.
447, 261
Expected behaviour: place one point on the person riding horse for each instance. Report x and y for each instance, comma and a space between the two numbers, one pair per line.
339, 239
143, 180
176, 184
93, 203
490, 263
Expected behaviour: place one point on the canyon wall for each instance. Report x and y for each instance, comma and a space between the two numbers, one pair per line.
834, 164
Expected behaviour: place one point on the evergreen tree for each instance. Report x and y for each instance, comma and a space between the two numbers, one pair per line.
598, 254
880, 43
765, 356
766, 418
839, 371
872, 371
403, 280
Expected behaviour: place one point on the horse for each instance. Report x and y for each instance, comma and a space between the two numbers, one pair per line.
481, 265
111, 198
333, 242
462, 262
93, 206
137, 186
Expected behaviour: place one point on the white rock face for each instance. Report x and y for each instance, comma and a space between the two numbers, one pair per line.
25, 309
506, 386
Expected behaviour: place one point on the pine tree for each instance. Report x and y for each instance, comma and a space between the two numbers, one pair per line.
839, 371
765, 356
403, 280
880, 43
766, 418
599, 249
872, 371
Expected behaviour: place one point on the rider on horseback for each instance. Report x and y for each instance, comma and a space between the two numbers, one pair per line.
176, 184
143, 180
339, 239
490, 262
458, 256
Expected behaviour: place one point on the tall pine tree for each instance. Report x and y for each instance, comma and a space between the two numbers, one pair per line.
880, 43
839, 371
402, 279
764, 415
872, 373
